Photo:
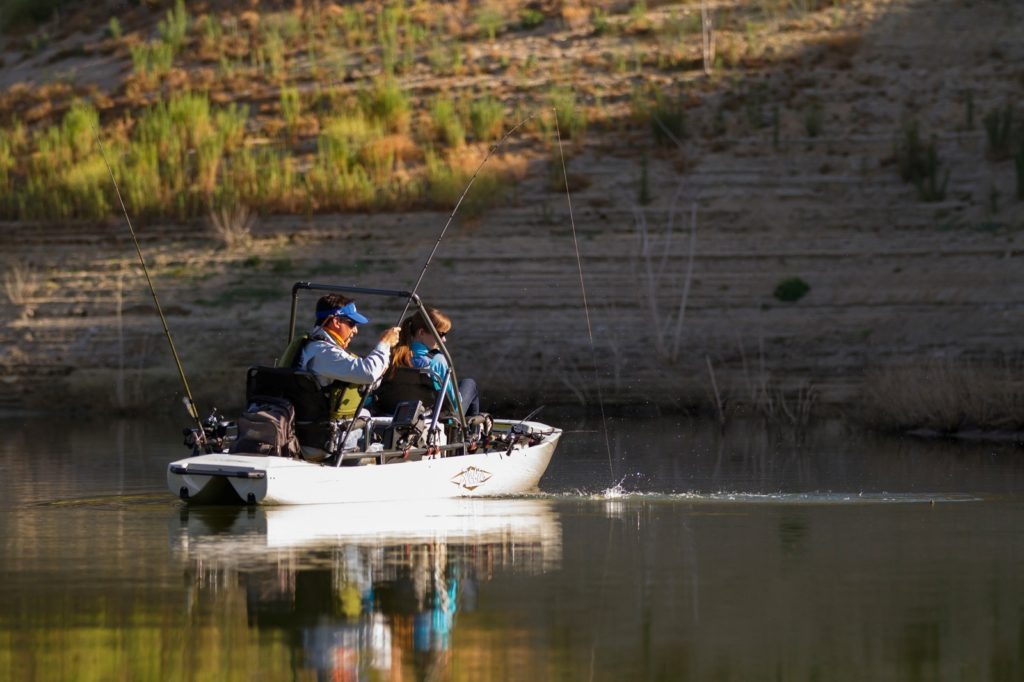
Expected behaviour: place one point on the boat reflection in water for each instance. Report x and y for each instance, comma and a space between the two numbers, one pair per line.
362, 590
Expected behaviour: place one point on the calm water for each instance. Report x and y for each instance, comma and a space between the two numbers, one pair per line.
681, 556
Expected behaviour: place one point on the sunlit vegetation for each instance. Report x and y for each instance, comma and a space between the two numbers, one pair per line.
322, 107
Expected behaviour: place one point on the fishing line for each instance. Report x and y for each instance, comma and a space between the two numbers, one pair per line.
190, 405
586, 307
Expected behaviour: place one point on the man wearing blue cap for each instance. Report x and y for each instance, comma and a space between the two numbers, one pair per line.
326, 354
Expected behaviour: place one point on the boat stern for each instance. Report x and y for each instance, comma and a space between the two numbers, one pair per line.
219, 479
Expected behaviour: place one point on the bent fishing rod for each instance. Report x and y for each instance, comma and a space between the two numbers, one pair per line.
455, 210
190, 405
423, 272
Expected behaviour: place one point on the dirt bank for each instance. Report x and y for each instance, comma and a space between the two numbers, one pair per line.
893, 280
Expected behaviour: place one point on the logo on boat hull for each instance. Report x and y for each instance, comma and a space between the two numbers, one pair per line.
471, 478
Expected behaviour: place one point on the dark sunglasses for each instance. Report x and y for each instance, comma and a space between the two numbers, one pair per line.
345, 320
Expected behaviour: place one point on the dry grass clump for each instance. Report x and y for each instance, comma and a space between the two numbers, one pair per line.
21, 284
232, 226
946, 397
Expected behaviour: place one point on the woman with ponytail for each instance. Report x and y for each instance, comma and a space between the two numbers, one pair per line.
418, 348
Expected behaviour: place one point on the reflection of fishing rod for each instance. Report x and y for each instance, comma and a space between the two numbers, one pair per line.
190, 405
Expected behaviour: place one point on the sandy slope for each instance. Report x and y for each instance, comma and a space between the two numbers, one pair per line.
893, 280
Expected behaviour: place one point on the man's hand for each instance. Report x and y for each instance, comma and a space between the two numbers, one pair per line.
390, 337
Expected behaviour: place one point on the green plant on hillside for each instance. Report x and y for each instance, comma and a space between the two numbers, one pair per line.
445, 57
354, 28
173, 28
486, 118
791, 289
814, 119
114, 28
6, 162
931, 186
269, 56
638, 21
643, 192
388, 37
489, 21
666, 115
447, 181
920, 164
530, 18
211, 36
388, 103
599, 21
448, 129
572, 121
999, 130
152, 58
291, 108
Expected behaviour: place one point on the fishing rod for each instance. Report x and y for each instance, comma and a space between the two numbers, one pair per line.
190, 405
586, 307
451, 217
423, 272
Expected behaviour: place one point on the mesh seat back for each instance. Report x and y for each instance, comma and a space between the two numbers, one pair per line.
404, 384
299, 387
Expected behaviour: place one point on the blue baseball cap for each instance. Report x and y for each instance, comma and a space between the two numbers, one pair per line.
347, 311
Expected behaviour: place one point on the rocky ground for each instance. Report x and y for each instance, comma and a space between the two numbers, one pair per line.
894, 281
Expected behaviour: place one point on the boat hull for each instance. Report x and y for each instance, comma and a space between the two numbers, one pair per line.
254, 479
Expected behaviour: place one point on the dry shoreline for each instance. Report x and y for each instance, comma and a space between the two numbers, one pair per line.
895, 282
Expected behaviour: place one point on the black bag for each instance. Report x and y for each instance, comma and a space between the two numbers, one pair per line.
267, 427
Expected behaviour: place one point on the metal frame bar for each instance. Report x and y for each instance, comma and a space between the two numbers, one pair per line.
415, 300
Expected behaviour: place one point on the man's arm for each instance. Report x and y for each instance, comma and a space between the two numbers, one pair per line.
332, 362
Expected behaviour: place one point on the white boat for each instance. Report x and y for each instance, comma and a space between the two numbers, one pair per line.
425, 462
222, 478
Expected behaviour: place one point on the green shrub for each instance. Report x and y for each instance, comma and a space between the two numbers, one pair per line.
173, 28
530, 18
791, 289
486, 118
388, 103
572, 121
920, 164
446, 183
448, 128
291, 108
114, 28
599, 20
668, 120
154, 58
999, 130
489, 21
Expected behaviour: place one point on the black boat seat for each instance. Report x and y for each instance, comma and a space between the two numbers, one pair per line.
301, 389
404, 384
